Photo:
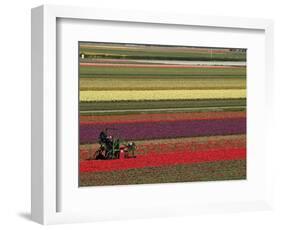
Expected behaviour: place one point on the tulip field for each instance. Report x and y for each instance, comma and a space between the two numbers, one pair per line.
184, 108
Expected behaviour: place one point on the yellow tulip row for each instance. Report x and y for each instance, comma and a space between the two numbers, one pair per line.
123, 95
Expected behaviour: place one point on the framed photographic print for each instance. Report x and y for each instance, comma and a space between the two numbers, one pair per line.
161, 114
138, 114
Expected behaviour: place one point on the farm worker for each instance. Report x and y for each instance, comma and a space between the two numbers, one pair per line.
103, 137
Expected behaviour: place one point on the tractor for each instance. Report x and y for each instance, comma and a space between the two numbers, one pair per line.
113, 148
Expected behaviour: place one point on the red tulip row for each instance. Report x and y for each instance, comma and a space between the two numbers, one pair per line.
167, 159
138, 118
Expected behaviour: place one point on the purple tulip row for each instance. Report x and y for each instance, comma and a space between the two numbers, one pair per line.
160, 130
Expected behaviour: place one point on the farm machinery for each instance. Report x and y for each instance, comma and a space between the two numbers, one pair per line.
113, 148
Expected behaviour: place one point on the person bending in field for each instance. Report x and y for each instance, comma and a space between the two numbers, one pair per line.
104, 139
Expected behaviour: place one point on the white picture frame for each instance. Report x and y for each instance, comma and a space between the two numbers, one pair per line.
45, 168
